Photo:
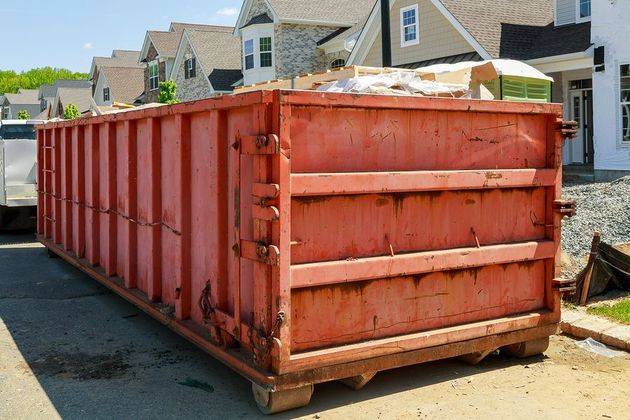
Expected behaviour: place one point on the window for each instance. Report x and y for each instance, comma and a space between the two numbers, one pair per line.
409, 27
248, 48
340, 62
625, 103
584, 9
265, 52
154, 75
190, 70
105, 94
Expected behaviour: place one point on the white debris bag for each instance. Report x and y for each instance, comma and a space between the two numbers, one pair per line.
596, 347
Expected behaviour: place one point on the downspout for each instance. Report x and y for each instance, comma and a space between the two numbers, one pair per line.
386, 34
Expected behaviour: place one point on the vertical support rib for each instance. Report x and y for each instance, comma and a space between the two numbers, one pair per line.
57, 217
553, 219
220, 210
67, 187
40, 181
108, 200
183, 304
131, 268
154, 288
235, 218
47, 185
79, 190
262, 233
94, 222
281, 275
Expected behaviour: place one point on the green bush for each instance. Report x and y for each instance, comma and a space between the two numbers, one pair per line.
71, 112
168, 93
23, 115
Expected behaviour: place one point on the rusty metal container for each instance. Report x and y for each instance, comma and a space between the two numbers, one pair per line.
302, 237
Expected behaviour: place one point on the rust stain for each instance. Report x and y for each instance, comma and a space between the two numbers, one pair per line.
381, 202
493, 175
470, 201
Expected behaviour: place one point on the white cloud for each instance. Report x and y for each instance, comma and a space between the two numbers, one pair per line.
88, 46
227, 11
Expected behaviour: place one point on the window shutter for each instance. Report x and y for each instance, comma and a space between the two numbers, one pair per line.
193, 71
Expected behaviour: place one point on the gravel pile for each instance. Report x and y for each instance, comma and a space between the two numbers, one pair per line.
604, 207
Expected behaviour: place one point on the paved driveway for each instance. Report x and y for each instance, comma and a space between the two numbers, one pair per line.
69, 348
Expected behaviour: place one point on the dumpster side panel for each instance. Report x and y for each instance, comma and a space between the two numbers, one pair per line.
402, 140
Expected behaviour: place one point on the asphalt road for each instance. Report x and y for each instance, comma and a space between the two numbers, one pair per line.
71, 349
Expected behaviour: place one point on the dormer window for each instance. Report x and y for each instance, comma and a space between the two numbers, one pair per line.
409, 27
583, 10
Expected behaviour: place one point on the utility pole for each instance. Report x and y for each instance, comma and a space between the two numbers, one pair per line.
386, 34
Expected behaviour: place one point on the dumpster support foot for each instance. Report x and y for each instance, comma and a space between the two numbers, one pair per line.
528, 348
270, 402
358, 382
476, 357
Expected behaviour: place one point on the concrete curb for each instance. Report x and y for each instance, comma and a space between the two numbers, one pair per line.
582, 325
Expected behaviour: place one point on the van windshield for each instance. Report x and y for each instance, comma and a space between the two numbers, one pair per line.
17, 132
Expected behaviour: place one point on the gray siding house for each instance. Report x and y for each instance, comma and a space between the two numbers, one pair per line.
25, 99
208, 63
286, 38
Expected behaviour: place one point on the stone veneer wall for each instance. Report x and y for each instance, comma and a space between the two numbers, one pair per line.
194, 88
296, 49
153, 95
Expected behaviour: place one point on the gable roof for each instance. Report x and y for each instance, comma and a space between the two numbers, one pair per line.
258, 19
125, 84
180, 27
486, 19
218, 53
24, 97
50, 91
166, 42
344, 13
336, 12
81, 97
119, 58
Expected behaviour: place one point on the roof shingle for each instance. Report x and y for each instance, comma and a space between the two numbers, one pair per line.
336, 12
219, 54
125, 84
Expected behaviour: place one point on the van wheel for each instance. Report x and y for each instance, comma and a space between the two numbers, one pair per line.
527, 348
271, 402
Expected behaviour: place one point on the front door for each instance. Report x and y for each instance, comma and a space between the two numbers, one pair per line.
581, 149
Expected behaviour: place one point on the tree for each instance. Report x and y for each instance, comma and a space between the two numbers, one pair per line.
23, 115
10, 81
71, 112
168, 93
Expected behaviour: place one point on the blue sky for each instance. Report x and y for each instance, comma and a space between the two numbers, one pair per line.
40, 33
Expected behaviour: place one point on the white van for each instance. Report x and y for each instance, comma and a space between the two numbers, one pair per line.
18, 174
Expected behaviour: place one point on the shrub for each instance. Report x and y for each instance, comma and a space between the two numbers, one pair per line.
168, 93
71, 112
23, 115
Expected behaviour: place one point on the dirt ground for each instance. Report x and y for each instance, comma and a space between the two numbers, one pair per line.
71, 349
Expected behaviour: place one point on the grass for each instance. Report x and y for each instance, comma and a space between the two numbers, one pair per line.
619, 312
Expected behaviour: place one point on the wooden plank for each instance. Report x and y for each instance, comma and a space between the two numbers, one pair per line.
333, 272
417, 181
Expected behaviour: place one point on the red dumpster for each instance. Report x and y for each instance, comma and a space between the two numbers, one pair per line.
302, 237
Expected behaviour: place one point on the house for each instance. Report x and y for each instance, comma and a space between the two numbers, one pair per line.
208, 63
577, 42
158, 55
80, 97
48, 94
285, 38
119, 58
119, 84
24, 99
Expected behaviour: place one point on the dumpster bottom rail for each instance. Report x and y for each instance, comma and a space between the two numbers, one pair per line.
331, 364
